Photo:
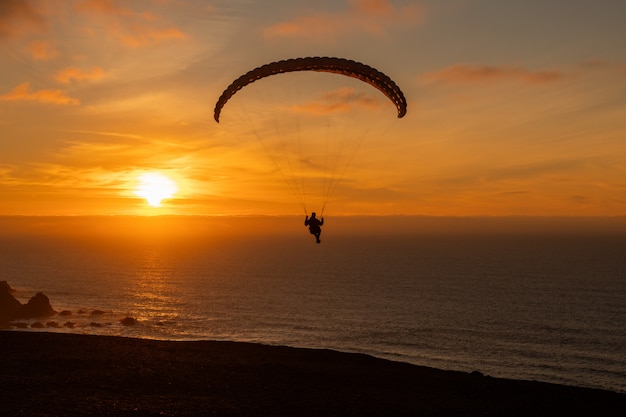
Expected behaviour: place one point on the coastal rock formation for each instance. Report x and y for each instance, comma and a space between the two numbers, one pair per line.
4, 286
9, 305
11, 308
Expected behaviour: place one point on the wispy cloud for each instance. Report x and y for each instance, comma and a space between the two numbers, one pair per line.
129, 27
468, 74
601, 64
70, 74
23, 92
118, 150
110, 7
104, 165
18, 17
42, 50
594, 63
374, 17
106, 133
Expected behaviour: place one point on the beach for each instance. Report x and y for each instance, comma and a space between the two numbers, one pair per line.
56, 374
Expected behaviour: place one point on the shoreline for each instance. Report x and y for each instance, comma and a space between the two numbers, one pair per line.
66, 374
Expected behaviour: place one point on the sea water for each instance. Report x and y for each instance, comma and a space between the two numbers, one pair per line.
536, 307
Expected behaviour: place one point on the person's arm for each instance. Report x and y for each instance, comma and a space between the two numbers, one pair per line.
322, 222
306, 221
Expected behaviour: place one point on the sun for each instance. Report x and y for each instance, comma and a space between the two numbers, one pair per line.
155, 187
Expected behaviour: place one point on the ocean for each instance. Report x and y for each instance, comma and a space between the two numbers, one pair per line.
543, 306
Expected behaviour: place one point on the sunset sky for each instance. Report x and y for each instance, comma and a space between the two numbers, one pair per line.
514, 107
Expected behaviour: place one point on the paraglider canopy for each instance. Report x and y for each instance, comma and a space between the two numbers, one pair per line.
312, 120
322, 64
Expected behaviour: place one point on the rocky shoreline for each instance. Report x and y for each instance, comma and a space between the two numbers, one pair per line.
13, 312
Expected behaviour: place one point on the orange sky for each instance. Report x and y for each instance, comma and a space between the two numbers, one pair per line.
515, 108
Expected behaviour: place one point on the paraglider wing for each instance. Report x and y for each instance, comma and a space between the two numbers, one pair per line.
322, 64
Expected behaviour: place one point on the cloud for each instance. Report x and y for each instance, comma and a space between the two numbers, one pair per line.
70, 74
127, 26
63, 180
104, 148
23, 93
42, 50
601, 64
467, 74
147, 36
17, 18
372, 7
106, 7
595, 63
362, 16
342, 99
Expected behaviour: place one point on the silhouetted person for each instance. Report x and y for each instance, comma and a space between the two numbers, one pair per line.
314, 226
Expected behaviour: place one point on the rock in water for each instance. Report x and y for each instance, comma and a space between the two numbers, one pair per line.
128, 321
37, 306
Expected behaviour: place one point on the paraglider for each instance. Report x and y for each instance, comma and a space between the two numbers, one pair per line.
291, 130
314, 225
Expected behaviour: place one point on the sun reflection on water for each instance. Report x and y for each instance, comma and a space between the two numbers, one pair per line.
156, 293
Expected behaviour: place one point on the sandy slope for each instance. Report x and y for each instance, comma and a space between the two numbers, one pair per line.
78, 375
